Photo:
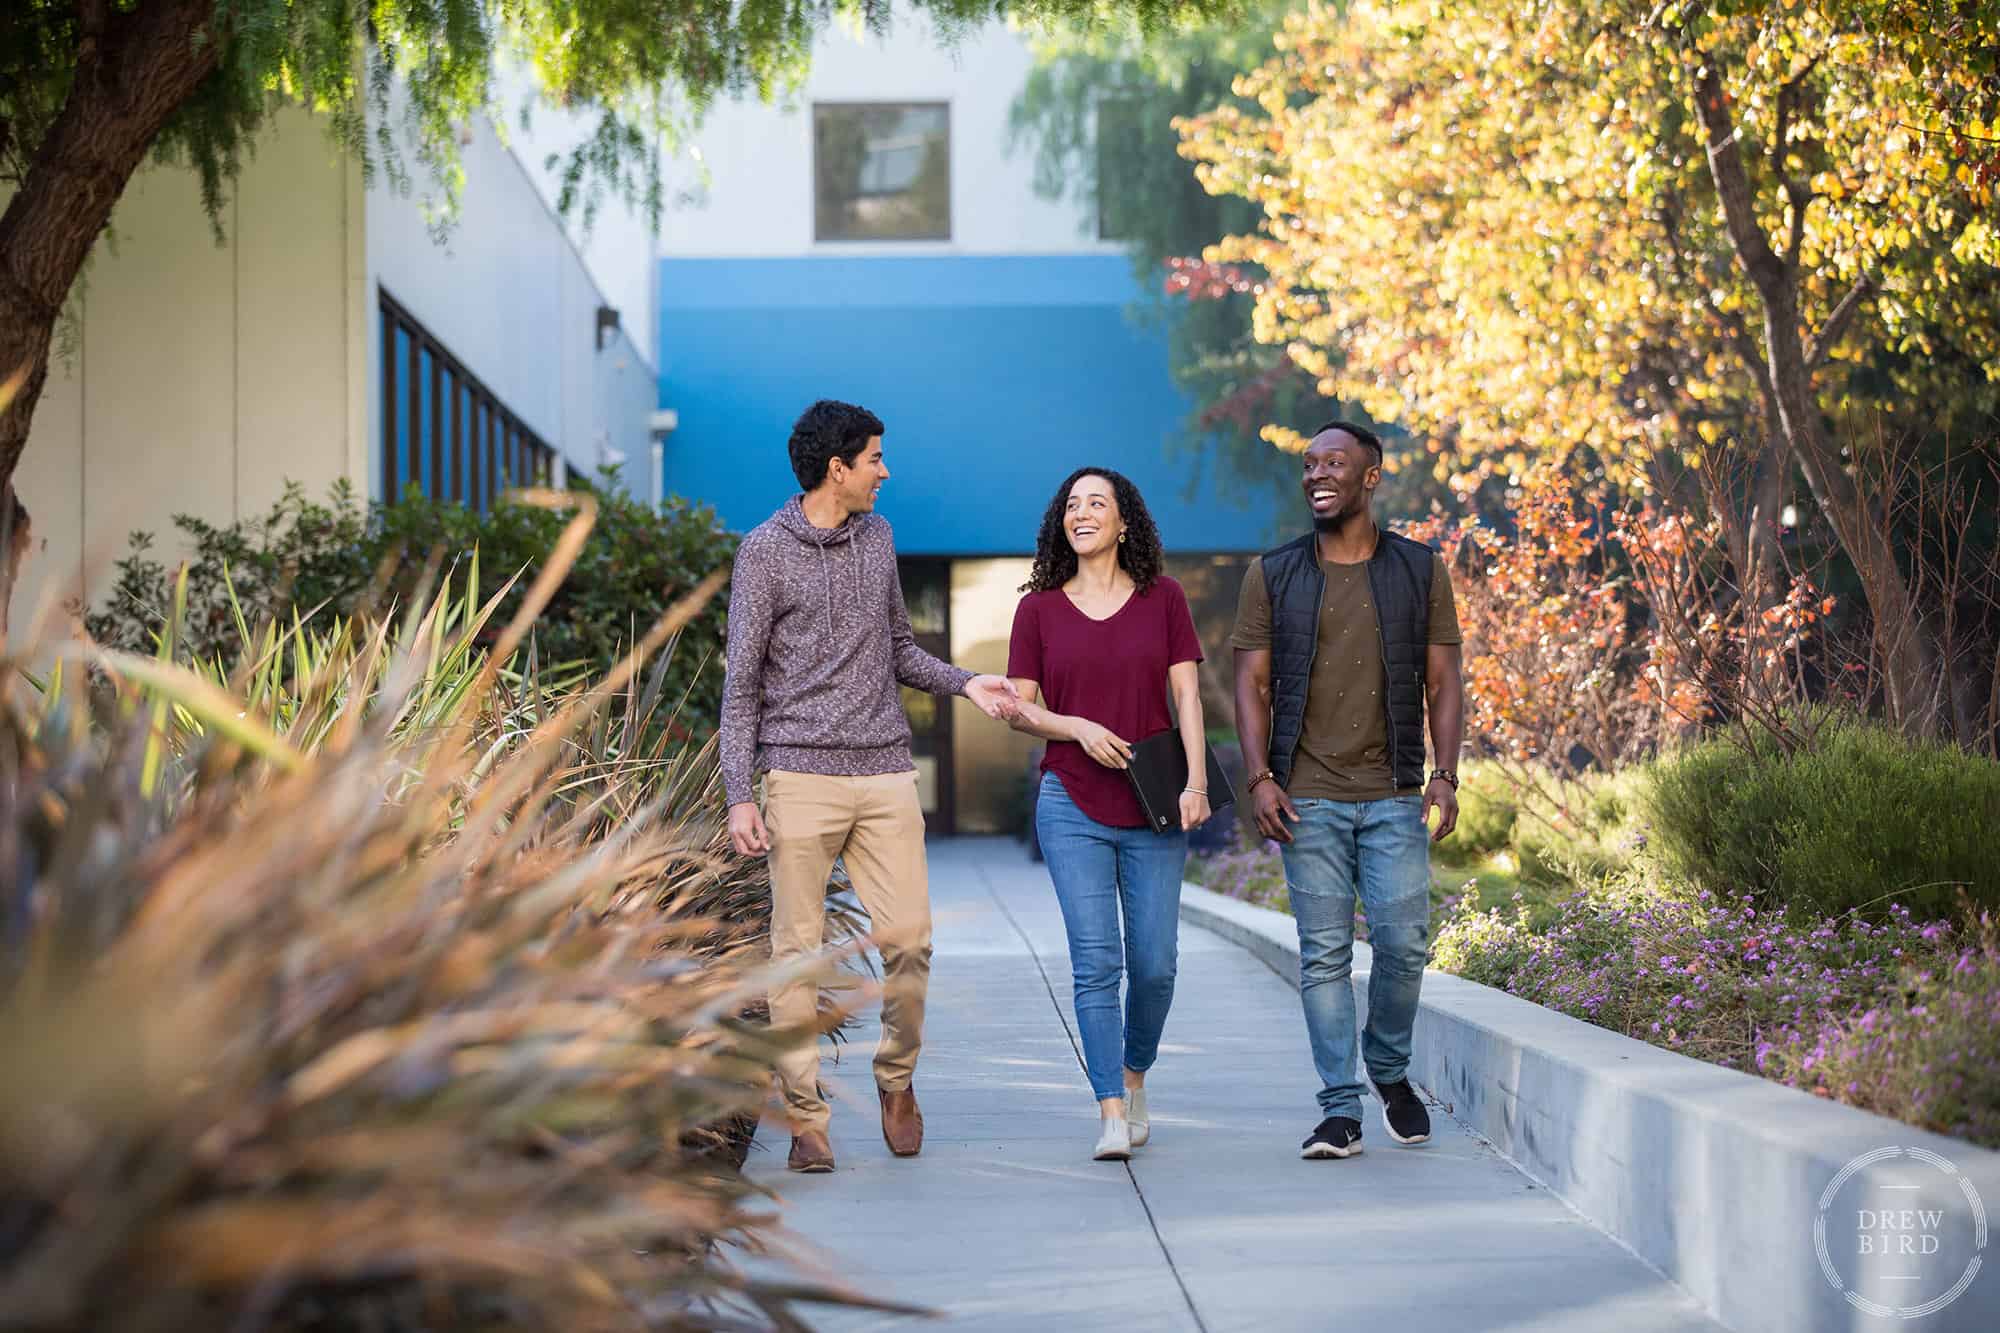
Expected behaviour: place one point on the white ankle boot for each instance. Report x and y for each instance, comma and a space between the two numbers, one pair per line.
1137, 1117
1114, 1141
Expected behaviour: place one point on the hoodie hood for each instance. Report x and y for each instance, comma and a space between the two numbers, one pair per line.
793, 519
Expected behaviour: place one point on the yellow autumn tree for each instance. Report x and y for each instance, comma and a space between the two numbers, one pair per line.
1646, 237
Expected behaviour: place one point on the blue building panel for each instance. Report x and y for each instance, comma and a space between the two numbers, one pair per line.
994, 377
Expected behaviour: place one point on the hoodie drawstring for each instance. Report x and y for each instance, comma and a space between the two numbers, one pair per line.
826, 578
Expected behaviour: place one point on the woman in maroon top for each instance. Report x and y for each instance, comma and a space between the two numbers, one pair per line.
1100, 641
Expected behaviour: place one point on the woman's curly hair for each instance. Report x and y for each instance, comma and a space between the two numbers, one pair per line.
1139, 555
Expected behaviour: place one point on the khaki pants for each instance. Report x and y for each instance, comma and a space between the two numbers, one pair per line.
876, 825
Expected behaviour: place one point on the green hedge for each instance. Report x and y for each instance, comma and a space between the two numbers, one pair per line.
1858, 818
304, 554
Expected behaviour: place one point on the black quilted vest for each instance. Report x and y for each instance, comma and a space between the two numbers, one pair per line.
1399, 576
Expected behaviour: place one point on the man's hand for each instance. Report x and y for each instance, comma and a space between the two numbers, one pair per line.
1194, 810
1273, 808
995, 696
1100, 744
747, 833
1445, 797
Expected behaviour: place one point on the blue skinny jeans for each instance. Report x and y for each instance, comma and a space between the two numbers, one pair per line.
1120, 891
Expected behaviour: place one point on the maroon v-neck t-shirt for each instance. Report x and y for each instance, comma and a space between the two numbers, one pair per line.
1111, 671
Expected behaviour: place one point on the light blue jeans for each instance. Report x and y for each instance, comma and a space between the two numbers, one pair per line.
1380, 851
1106, 877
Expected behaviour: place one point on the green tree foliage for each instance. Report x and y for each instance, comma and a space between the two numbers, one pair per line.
1098, 113
1642, 238
90, 88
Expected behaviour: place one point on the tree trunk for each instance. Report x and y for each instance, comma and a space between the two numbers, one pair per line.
1904, 639
16, 540
1747, 501
133, 71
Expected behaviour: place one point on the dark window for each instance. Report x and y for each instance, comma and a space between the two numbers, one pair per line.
927, 594
442, 430
882, 171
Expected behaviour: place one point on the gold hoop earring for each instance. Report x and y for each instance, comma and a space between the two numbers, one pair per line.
1121, 539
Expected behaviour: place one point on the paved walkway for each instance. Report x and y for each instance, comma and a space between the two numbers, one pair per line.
1004, 1222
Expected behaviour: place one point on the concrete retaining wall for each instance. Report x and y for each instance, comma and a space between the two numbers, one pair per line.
1716, 1178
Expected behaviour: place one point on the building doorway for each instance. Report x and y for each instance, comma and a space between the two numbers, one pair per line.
927, 594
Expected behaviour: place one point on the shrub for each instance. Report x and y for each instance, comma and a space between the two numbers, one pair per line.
387, 987
1856, 817
1579, 833
1554, 652
302, 555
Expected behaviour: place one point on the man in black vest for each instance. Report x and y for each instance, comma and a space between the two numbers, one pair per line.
1344, 640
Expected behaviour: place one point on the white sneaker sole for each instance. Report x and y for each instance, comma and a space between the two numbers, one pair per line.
1319, 1152
1112, 1155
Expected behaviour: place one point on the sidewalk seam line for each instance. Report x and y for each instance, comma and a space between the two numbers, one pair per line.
1146, 1207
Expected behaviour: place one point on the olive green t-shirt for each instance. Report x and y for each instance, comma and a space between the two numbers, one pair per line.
1343, 752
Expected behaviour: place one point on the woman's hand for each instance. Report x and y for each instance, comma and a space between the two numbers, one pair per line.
1100, 744
1194, 810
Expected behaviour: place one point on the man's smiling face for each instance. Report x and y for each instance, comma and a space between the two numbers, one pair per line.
1339, 476
860, 484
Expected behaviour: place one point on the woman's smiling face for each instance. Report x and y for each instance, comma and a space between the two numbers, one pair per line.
1090, 516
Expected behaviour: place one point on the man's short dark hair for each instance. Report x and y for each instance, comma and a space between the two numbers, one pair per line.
1361, 433
828, 430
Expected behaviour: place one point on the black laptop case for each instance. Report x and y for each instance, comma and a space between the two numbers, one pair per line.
1159, 774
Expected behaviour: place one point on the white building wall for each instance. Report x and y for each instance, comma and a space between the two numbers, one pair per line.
201, 377
617, 247
758, 199
507, 293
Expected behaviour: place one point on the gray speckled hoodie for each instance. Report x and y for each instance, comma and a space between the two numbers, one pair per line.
818, 640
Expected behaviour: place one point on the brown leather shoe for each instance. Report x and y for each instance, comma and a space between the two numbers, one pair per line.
902, 1122
811, 1152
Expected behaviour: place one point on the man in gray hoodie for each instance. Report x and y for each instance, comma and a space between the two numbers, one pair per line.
818, 641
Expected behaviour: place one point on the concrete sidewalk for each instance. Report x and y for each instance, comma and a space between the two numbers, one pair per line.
1004, 1222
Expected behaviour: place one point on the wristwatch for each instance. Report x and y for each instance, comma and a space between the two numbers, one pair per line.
1447, 774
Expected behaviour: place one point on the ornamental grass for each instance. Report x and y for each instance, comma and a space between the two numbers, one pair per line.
379, 980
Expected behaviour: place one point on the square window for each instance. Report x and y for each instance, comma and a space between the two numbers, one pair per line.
882, 171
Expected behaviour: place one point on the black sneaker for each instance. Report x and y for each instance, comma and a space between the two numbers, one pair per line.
1403, 1113
1337, 1136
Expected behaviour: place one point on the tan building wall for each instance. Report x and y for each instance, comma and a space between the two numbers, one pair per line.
202, 376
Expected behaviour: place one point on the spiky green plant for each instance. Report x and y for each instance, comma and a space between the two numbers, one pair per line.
374, 983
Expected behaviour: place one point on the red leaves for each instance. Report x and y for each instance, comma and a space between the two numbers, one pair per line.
1553, 665
1199, 280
